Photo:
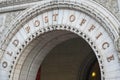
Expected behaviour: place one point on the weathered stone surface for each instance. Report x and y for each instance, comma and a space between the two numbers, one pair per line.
5, 21
10, 17
2, 21
5, 3
111, 5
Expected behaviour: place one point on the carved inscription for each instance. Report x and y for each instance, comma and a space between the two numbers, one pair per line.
27, 29
46, 19
37, 23
99, 35
72, 18
105, 45
91, 28
110, 58
55, 17
9, 53
4, 64
82, 22
16, 42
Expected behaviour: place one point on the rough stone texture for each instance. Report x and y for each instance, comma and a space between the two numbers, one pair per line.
10, 17
112, 6
5, 3
6, 19
2, 21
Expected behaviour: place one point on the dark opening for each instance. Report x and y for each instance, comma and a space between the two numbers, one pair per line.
71, 60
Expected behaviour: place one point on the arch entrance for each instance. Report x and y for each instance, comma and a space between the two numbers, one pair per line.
72, 59
44, 26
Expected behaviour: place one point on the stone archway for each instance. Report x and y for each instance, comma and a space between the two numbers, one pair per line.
79, 17
72, 59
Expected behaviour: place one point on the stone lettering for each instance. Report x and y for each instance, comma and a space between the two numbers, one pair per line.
9, 53
99, 35
46, 19
27, 29
15, 42
110, 58
4, 64
37, 23
72, 18
55, 17
105, 45
82, 22
91, 28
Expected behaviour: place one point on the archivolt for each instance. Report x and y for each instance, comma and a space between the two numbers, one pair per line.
58, 34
